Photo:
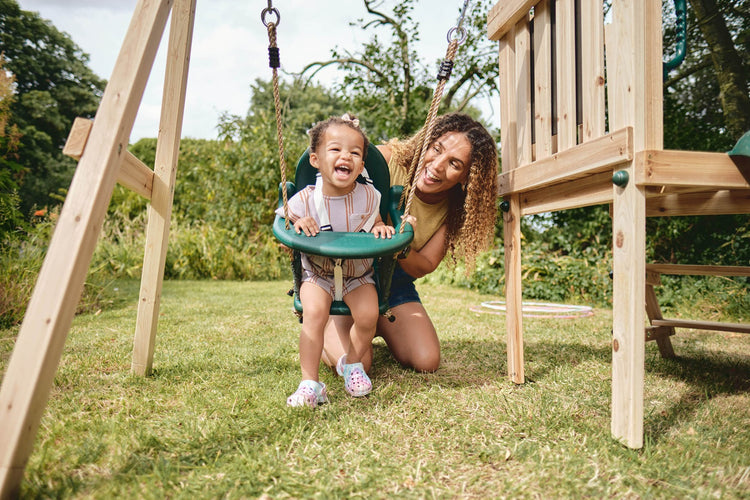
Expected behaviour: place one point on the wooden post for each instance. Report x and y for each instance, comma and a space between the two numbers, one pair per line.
636, 87
165, 170
512, 218
33, 363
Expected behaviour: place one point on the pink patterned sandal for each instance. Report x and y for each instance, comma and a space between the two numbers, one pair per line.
356, 381
309, 393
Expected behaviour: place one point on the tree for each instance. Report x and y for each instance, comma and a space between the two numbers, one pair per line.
706, 100
390, 87
53, 85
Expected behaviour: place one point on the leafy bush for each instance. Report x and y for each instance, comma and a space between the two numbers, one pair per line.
21, 258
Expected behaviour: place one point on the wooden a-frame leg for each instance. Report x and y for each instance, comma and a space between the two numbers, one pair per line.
165, 170
660, 334
513, 295
38, 348
628, 342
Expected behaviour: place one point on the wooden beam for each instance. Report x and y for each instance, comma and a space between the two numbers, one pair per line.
689, 168
703, 325
513, 290
698, 270
160, 209
504, 15
595, 189
699, 203
585, 159
31, 369
133, 173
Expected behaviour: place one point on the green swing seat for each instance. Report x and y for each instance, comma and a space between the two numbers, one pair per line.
349, 245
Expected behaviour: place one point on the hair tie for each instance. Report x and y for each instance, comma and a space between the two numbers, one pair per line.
350, 118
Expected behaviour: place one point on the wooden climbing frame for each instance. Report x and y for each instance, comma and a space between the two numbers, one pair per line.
582, 126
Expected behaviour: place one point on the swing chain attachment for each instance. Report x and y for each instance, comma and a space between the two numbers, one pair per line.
270, 10
457, 32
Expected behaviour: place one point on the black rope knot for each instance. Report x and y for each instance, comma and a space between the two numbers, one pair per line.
274, 60
446, 67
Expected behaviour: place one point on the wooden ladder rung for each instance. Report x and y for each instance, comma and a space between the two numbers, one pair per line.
698, 270
703, 325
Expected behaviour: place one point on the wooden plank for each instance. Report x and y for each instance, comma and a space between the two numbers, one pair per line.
566, 74
133, 173
543, 79
592, 69
136, 176
690, 169
38, 347
77, 138
698, 270
582, 160
513, 290
703, 325
594, 189
523, 92
160, 209
721, 202
505, 14
508, 113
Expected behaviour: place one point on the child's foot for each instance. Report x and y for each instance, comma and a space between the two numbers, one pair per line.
340, 365
309, 393
356, 381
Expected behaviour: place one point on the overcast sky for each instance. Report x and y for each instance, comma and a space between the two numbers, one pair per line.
230, 47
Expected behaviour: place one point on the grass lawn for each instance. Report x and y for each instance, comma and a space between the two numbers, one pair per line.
212, 421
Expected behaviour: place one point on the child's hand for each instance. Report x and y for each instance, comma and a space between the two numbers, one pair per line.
307, 225
381, 230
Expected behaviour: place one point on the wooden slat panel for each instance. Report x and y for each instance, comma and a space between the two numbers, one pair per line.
566, 75
689, 168
543, 79
505, 14
703, 325
587, 158
592, 68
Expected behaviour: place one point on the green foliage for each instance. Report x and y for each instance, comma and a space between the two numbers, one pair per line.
21, 257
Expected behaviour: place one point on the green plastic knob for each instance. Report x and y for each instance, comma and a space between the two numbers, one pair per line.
505, 206
620, 178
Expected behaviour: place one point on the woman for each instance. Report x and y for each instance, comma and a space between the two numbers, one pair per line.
454, 206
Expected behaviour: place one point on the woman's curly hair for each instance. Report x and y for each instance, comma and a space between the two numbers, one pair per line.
472, 210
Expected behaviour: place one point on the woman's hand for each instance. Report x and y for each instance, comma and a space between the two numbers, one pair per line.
307, 225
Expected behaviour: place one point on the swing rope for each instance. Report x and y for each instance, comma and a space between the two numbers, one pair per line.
274, 62
456, 37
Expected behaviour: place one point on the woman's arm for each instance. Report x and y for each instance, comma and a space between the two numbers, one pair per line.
428, 258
